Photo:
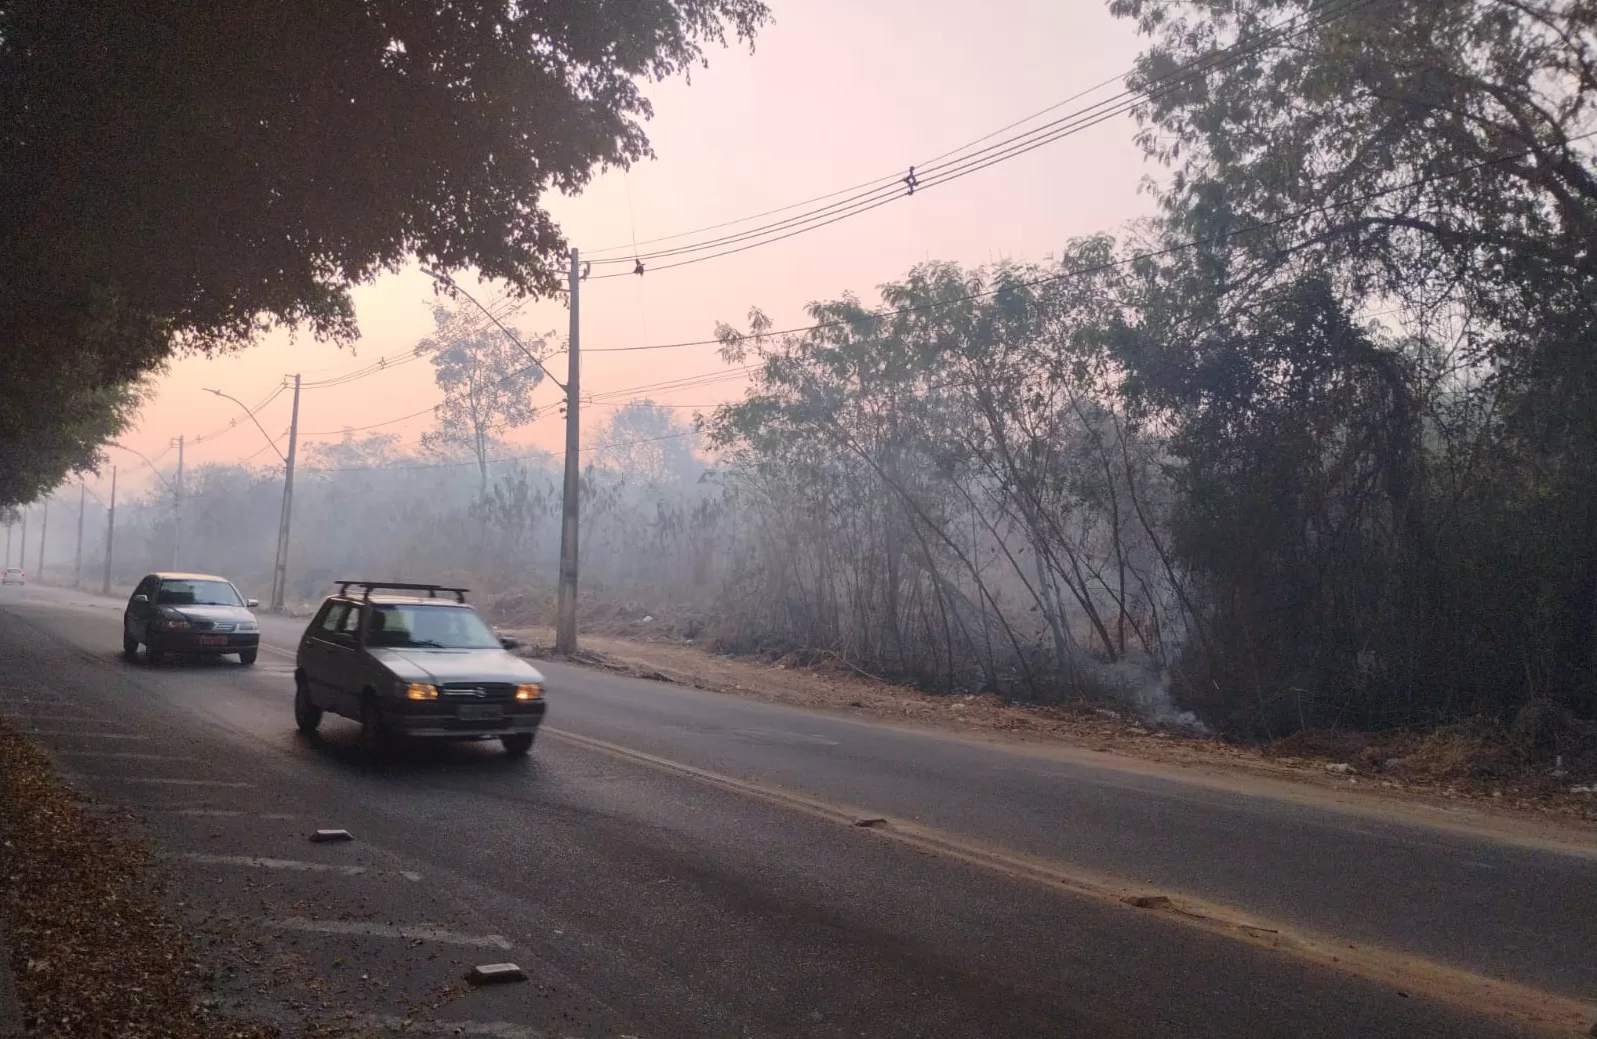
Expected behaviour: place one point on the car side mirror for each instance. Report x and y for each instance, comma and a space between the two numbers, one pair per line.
509, 642
252, 603
140, 599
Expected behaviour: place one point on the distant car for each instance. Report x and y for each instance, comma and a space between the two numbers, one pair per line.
197, 614
419, 664
13, 575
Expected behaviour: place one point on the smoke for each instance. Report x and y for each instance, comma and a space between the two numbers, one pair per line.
1141, 685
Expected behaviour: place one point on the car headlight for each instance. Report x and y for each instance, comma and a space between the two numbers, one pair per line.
247, 626
529, 692
421, 691
175, 624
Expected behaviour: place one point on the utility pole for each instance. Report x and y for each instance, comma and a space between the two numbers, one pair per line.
177, 504
280, 568
44, 530
11, 526
566, 616
77, 564
110, 535
22, 550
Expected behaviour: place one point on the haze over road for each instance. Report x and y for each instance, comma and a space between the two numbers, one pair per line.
647, 900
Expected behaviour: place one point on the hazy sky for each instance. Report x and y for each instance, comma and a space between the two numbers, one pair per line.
837, 92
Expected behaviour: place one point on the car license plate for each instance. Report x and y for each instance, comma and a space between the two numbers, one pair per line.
213, 640
480, 712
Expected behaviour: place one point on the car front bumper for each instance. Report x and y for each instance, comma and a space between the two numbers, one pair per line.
197, 642
431, 720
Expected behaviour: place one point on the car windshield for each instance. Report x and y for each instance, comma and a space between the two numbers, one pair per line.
197, 593
429, 627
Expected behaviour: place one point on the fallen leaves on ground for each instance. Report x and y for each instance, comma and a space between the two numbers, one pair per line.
93, 950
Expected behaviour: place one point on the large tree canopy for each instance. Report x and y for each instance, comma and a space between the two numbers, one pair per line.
184, 174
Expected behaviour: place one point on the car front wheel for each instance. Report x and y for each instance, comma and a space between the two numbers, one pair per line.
517, 744
374, 736
130, 646
247, 657
152, 656
306, 714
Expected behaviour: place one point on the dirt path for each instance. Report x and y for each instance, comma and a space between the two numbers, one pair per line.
1447, 770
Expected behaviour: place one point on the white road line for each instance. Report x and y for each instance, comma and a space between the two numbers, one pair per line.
162, 782
26, 718
256, 862
228, 813
123, 755
409, 932
410, 876
417, 1026
36, 703
61, 733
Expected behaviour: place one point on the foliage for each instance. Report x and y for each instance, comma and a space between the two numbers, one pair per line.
184, 175
487, 380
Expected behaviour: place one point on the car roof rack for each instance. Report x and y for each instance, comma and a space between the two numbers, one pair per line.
368, 587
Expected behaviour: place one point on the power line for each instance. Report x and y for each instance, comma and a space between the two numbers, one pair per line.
1170, 250
492, 461
934, 172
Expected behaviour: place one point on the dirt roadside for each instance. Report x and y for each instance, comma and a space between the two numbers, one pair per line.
1451, 770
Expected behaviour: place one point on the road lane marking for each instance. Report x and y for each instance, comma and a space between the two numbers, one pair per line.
229, 813
122, 755
292, 865
257, 862
413, 1025
63, 734
163, 782
1405, 972
67, 719
407, 932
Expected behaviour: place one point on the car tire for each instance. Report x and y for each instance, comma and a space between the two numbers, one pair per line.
153, 656
247, 657
130, 647
374, 737
517, 744
306, 714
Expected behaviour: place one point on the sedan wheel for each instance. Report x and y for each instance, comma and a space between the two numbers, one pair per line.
247, 657
130, 646
153, 656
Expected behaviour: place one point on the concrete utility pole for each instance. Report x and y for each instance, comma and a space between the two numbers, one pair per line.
110, 535
177, 505
566, 615
280, 567
77, 564
44, 530
22, 549
10, 527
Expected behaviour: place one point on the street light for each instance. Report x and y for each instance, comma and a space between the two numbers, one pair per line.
280, 561
251, 414
161, 476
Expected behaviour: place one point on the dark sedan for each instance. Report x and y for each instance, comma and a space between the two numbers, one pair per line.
189, 614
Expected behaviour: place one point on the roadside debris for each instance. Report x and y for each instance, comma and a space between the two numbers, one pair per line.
870, 821
330, 836
1341, 768
1148, 901
495, 974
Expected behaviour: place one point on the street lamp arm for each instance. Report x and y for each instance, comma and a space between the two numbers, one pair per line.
253, 419
158, 474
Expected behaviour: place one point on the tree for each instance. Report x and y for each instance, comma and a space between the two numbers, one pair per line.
182, 174
1433, 159
647, 442
487, 382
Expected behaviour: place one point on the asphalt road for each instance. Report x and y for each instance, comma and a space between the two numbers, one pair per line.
647, 902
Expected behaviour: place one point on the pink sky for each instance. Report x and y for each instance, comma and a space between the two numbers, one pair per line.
836, 93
